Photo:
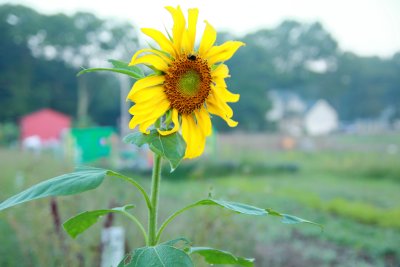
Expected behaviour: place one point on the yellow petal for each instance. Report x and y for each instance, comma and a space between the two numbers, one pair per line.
137, 119
221, 71
147, 118
224, 94
203, 121
219, 74
193, 14
217, 101
146, 107
158, 53
215, 109
193, 136
145, 83
219, 82
222, 52
155, 92
154, 61
185, 43
160, 111
164, 43
208, 40
178, 28
175, 120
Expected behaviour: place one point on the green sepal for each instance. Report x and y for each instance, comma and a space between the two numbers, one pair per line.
168, 34
119, 67
81, 180
158, 256
168, 117
171, 147
160, 51
216, 256
81, 222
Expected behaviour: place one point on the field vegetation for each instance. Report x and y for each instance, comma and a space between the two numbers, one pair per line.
353, 193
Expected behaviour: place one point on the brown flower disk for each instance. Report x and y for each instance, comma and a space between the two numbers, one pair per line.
180, 100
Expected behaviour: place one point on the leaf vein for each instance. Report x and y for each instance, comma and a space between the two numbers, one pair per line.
138, 258
155, 250
162, 146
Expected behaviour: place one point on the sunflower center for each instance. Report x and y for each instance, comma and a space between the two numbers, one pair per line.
188, 83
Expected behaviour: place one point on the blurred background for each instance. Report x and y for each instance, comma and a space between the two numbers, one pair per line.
318, 134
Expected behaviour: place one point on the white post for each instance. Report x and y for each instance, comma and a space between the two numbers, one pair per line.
113, 249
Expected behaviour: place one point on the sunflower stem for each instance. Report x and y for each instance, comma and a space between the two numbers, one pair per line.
153, 212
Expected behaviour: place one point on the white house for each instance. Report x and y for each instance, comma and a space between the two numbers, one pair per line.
284, 103
321, 119
287, 111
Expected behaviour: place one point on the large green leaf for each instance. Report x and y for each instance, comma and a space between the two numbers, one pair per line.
238, 208
171, 147
83, 179
215, 256
157, 256
81, 222
119, 67
251, 210
234, 206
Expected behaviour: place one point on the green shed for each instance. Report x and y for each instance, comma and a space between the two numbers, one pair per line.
91, 144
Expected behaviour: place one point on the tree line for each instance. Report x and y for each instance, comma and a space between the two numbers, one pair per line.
41, 54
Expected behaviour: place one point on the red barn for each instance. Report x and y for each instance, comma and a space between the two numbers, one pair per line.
45, 125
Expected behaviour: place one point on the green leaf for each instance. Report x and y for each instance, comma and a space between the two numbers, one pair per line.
177, 240
157, 256
81, 180
251, 210
234, 206
119, 67
126, 260
215, 256
171, 147
290, 219
81, 222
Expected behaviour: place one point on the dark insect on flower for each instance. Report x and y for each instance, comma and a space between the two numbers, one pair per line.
191, 57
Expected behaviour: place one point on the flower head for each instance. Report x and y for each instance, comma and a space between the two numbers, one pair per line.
188, 83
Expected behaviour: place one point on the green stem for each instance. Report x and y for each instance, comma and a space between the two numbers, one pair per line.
170, 218
144, 193
138, 223
155, 187
136, 184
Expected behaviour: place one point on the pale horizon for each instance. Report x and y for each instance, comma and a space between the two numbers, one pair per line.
367, 28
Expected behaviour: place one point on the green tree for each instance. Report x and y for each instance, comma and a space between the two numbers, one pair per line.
42, 55
277, 59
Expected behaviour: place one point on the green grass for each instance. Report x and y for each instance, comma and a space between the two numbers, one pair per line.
355, 195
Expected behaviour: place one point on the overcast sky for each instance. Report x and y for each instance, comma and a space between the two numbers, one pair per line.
367, 27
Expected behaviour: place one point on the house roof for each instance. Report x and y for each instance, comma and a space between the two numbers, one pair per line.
46, 112
47, 124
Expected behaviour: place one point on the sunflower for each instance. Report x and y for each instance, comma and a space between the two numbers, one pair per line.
187, 85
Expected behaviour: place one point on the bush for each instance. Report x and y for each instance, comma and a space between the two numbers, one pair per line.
9, 133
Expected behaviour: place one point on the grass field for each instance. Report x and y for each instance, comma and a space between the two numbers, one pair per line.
354, 193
